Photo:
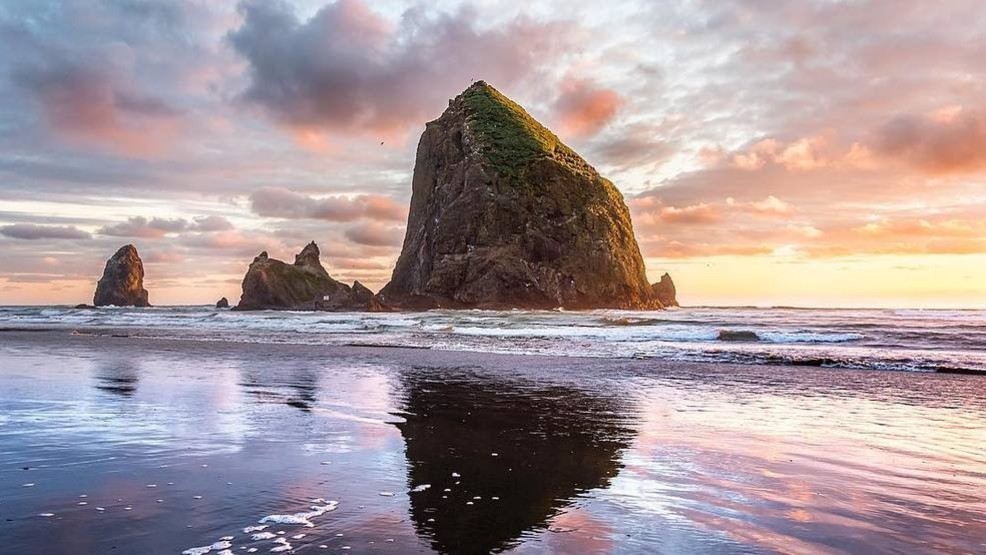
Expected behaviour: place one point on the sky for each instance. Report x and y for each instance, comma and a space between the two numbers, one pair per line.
783, 152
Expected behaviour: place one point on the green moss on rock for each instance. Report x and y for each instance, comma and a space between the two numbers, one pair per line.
509, 137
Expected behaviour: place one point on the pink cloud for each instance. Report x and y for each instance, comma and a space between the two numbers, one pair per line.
88, 106
583, 108
283, 203
942, 142
375, 234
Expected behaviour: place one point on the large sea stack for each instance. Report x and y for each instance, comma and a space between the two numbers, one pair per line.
503, 215
122, 283
304, 285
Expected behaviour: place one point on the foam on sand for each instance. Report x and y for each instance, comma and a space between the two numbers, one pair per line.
304, 518
218, 546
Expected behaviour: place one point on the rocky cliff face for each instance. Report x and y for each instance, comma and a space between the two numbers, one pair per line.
304, 285
665, 292
504, 215
122, 283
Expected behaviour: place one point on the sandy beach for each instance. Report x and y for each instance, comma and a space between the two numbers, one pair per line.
142, 445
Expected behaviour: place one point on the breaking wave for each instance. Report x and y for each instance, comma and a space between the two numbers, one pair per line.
874, 339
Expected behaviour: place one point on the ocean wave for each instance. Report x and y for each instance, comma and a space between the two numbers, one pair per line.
877, 339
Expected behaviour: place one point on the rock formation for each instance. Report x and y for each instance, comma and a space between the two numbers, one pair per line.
504, 215
665, 292
122, 283
222, 303
304, 285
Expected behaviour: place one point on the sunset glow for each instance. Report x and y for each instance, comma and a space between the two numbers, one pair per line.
786, 153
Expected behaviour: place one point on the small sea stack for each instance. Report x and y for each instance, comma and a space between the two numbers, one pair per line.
122, 283
222, 303
271, 284
665, 292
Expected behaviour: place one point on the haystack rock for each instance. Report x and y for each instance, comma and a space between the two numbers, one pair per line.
665, 292
122, 283
304, 285
503, 215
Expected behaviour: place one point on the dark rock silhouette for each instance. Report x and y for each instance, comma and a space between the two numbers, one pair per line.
222, 303
665, 292
738, 335
122, 283
304, 285
504, 215
525, 452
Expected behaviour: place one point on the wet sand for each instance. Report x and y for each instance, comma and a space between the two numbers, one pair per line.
114, 444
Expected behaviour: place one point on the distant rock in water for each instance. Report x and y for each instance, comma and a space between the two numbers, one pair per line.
503, 215
122, 283
740, 335
304, 285
222, 303
665, 292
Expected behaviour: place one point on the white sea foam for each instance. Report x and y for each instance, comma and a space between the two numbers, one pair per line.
219, 545
304, 518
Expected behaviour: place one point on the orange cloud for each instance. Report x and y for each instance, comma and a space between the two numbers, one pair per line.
769, 205
808, 153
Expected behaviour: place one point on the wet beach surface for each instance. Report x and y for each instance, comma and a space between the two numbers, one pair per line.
122, 445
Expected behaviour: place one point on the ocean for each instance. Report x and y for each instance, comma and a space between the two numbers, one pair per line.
871, 339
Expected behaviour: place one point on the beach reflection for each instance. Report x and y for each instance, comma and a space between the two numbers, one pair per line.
118, 376
490, 460
296, 387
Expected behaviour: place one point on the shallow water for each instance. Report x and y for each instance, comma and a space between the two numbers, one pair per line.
876, 339
182, 444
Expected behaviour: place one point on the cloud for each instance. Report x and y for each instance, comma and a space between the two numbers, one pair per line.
210, 223
349, 69
804, 154
154, 228
375, 234
139, 226
86, 104
632, 146
944, 142
32, 232
283, 203
583, 107
769, 205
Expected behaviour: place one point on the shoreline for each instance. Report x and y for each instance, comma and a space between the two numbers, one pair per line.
117, 337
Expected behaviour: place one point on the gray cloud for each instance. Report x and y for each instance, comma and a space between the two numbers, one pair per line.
348, 68
283, 203
139, 226
31, 232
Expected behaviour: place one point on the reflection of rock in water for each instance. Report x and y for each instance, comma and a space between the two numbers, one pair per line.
299, 391
119, 377
551, 444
